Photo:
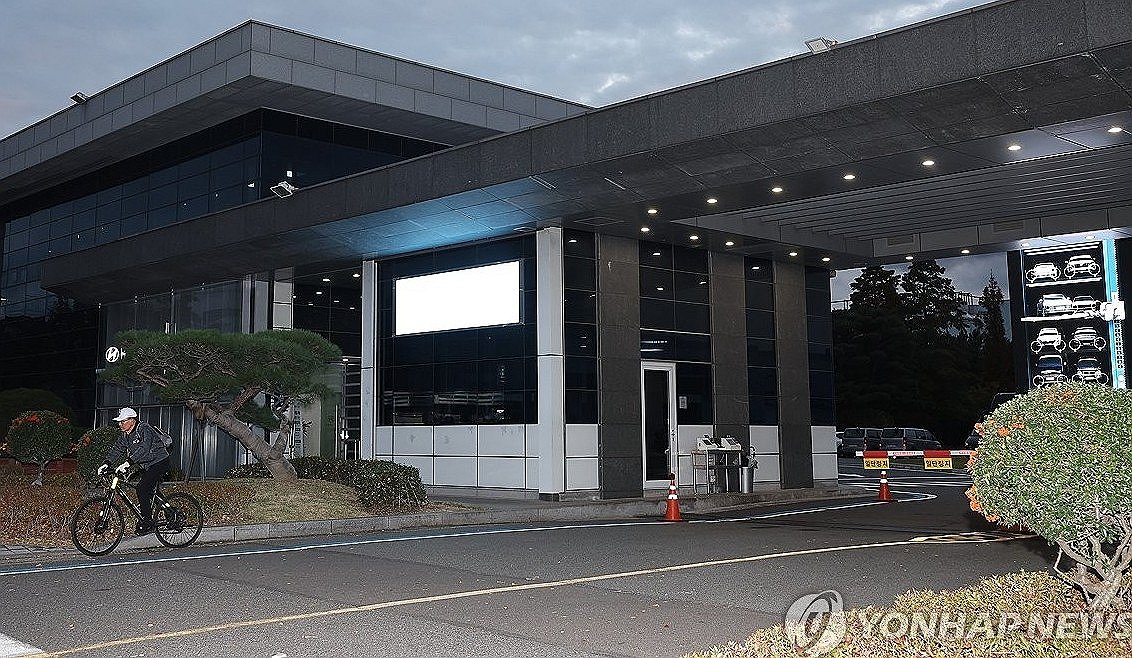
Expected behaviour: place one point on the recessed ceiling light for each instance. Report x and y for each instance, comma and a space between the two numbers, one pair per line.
652, 211
776, 189
310, 303
729, 243
1014, 147
336, 301
644, 229
965, 251
928, 163
573, 240
713, 200
357, 276
825, 259
660, 288
693, 237
656, 253
793, 253
849, 176
1116, 129
754, 267
318, 292
907, 258
325, 280
351, 308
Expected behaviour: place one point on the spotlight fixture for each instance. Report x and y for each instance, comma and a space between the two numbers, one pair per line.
1014, 147
693, 237
928, 163
80, 98
776, 189
965, 251
644, 229
729, 243
325, 280
656, 253
820, 44
357, 276
573, 240
825, 259
793, 253
907, 258
712, 200
849, 176
755, 267
652, 211
318, 292
283, 189
1113, 129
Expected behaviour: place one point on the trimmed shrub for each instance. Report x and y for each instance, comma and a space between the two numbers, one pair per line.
39, 437
1058, 460
15, 401
380, 484
93, 447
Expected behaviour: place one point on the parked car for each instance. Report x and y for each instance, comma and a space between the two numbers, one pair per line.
1086, 337
1085, 304
858, 438
1043, 271
1089, 370
1048, 337
908, 438
1081, 264
1054, 304
1050, 369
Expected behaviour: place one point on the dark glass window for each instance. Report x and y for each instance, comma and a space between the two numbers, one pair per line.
762, 381
695, 318
658, 314
691, 287
579, 273
656, 283
760, 295
694, 394
655, 254
580, 306
690, 260
578, 243
760, 324
758, 269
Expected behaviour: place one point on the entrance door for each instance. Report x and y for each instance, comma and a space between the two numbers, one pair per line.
658, 422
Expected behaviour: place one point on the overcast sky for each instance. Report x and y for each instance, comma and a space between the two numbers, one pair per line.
592, 51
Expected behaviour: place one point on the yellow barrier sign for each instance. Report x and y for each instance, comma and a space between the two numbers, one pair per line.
938, 463
876, 463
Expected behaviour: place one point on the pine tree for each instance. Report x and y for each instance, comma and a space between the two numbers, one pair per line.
930, 303
875, 289
997, 364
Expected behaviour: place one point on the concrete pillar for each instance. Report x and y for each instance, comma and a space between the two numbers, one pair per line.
793, 363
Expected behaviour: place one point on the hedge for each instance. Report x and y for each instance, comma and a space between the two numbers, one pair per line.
378, 483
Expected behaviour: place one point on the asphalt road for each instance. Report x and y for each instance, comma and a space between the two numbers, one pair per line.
630, 588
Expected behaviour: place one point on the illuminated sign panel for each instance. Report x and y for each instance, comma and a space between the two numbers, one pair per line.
461, 299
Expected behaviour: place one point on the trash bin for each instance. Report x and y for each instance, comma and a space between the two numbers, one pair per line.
746, 479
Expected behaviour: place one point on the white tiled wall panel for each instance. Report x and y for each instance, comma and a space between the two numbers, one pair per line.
825, 467
383, 440
769, 469
412, 440
455, 471
684, 473
455, 440
532, 472
824, 439
764, 438
581, 473
422, 464
502, 440
686, 436
506, 472
581, 440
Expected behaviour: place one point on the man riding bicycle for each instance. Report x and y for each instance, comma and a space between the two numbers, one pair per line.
143, 446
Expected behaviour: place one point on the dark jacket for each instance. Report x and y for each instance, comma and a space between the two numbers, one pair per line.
144, 446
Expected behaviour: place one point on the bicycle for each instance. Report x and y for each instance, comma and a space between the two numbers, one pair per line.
98, 525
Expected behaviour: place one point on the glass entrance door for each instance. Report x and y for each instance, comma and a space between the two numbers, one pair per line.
658, 422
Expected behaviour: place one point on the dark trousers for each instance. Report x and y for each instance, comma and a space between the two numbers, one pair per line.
153, 475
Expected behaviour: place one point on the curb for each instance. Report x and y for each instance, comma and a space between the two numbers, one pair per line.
567, 511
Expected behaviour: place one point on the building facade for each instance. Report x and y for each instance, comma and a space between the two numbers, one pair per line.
533, 296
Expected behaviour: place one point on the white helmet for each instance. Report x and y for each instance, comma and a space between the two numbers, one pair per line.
124, 413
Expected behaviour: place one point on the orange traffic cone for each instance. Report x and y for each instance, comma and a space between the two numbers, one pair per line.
672, 513
884, 496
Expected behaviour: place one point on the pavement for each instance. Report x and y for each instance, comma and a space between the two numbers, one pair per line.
488, 510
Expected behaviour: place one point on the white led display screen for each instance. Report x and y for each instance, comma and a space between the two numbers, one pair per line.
461, 299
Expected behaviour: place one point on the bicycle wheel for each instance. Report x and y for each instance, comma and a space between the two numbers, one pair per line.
179, 524
97, 527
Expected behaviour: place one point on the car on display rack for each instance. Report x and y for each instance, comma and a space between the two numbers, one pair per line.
1050, 369
1081, 264
1054, 304
1089, 370
1048, 337
1085, 304
1043, 271
1086, 337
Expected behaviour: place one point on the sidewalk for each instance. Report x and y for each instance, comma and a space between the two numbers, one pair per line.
491, 511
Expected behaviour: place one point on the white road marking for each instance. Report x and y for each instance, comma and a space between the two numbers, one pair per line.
10, 648
484, 592
449, 535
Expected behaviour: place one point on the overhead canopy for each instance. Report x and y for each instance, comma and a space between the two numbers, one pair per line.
925, 119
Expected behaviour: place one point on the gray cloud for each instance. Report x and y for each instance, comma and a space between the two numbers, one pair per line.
591, 51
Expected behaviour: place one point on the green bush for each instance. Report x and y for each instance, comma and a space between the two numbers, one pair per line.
39, 437
93, 447
15, 401
380, 484
1058, 460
